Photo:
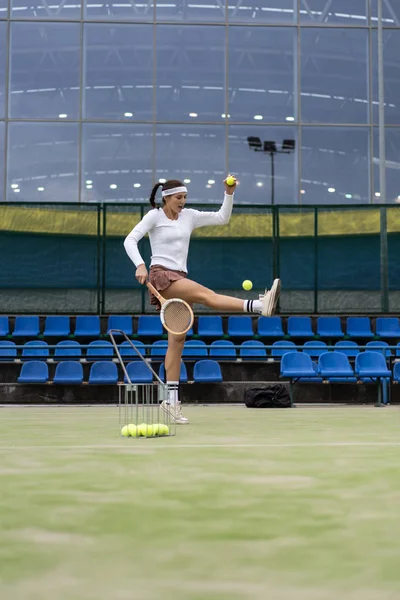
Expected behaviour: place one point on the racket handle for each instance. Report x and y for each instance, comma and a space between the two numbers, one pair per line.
155, 292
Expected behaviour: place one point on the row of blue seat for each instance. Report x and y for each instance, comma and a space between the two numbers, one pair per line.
221, 349
104, 372
335, 366
207, 326
330, 327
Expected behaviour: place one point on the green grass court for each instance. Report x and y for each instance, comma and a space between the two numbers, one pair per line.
277, 505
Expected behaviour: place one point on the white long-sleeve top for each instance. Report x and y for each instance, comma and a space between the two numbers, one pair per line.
169, 239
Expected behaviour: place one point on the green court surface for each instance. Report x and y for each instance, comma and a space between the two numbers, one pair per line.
271, 505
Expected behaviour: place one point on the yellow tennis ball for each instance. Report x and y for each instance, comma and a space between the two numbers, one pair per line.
125, 431
247, 285
141, 430
230, 180
132, 429
156, 430
150, 431
163, 429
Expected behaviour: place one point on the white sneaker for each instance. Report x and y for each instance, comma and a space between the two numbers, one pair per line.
174, 413
270, 299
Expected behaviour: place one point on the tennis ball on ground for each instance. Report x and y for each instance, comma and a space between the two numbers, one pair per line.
141, 430
150, 430
132, 429
247, 285
125, 431
156, 429
230, 180
163, 429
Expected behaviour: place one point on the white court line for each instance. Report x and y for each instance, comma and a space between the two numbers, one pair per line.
163, 446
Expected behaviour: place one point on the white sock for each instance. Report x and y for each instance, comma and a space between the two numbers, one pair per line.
172, 392
252, 306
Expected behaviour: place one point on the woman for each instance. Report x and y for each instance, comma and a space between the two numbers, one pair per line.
169, 228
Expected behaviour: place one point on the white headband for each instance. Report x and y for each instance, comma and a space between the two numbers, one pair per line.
172, 191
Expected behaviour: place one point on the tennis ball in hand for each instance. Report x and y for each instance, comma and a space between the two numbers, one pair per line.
132, 429
230, 180
125, 431
247, 285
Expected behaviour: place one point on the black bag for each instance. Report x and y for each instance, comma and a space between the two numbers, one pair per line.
274, 396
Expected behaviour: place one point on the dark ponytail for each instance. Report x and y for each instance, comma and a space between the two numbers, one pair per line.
154, 193
168, 185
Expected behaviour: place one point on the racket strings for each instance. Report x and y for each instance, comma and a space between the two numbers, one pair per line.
177, 316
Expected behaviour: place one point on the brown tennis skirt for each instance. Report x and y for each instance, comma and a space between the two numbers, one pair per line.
161, 278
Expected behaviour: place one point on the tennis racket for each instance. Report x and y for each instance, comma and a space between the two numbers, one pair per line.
176, 315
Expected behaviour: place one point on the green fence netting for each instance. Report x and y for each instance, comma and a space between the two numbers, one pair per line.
70, 258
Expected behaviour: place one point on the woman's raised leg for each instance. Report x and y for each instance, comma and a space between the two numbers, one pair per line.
193, 292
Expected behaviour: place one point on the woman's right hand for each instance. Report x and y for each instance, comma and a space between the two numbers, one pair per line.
142, 274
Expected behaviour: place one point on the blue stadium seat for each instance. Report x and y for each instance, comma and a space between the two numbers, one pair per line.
34, 371
139, 372
371, 364
316, 379
253, 349
396, 372
359, 327
210, 326
194, 349
87, 326
377, 346
329, 327
68, 349
57, 326
159, 348
398, 350
348, 348
207, 371
8, 350
126, 351
388, 327
270, 327
35, 350
100, 349
183, 378
282, 347
26, 327
297, 364
122, 322
334, 364
240, 327
4, 326
224, 349
103, 372
315, 348
69, 372
300, 327
149, 326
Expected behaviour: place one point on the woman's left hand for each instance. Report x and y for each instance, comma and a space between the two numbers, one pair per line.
229, 189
